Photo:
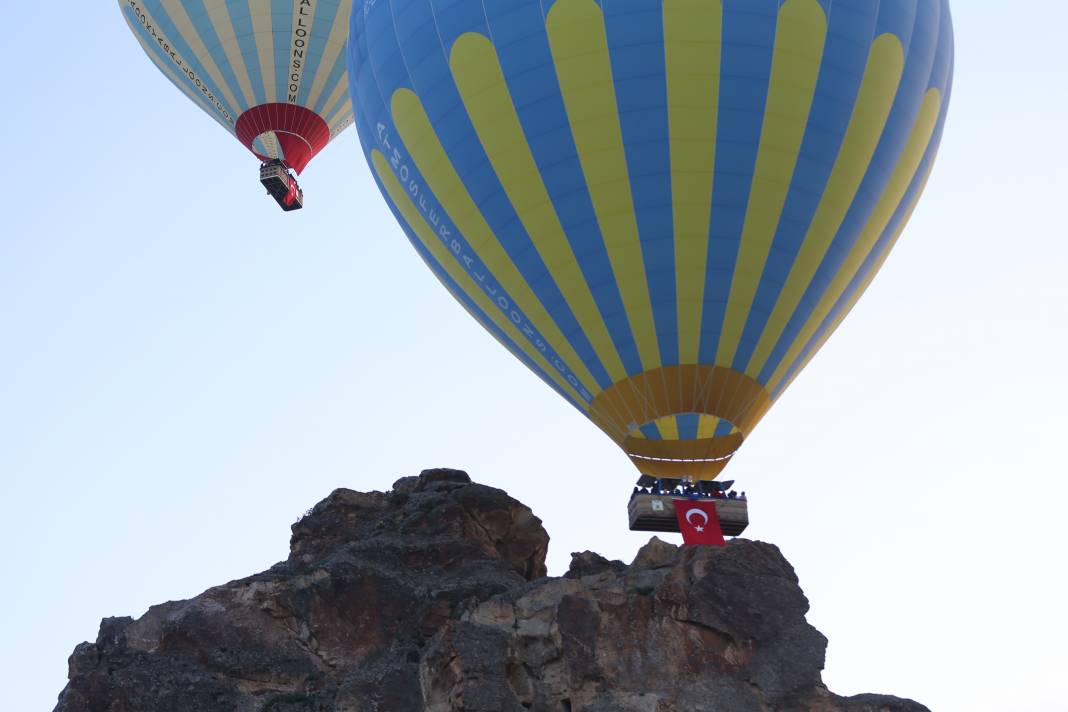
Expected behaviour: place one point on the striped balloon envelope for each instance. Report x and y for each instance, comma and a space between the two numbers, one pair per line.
271, 72
662, 207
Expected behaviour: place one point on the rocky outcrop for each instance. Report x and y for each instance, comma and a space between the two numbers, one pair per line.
432, 597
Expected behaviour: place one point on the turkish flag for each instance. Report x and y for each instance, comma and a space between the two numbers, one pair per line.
698, 522
292, 194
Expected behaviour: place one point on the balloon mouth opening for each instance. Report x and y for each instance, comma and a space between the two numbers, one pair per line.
700, 458
290, 148
266, 145
273, 134
682, 444
727, 405
293, 132
650, 458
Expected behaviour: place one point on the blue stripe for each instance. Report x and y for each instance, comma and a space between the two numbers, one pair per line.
650, 431
869, 264
241, 18
636, 46
281, 29
523, 47
942, 74
198, 16
723, 427
748, 45
325, 14
848, 43
941, 78
167, 26
688, 423
389, 71
901, 18
918, 64
432, 78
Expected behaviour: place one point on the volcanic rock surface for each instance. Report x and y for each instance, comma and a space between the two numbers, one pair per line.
433, 597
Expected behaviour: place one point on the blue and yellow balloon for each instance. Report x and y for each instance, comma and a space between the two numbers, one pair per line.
662, 207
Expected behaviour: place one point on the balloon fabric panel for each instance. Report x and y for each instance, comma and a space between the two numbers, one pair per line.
251, 64
663, 208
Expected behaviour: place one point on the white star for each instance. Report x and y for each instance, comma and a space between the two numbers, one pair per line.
700, 529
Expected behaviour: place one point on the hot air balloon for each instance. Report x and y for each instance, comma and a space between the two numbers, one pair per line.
662, 207
271, 73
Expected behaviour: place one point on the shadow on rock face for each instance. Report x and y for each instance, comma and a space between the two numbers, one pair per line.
433, 597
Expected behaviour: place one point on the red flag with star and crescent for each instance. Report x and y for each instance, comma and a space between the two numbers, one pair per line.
292, 194
698, 522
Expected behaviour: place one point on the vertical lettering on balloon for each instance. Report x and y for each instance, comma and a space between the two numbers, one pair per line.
303, 15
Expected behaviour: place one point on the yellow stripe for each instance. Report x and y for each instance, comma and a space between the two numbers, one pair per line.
874, 100
482, 85
270, 142
429, 155
219, 15
692, 47
346, 109
263, 34
189, 33
447, 261
904, 172
335, 43
584, 72
706, 426
866, 280
339, 126
802, 28
669, 427
666, 427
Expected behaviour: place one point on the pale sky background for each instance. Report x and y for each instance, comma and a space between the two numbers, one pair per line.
184, 370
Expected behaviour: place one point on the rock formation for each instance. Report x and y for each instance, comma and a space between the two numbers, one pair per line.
433, 597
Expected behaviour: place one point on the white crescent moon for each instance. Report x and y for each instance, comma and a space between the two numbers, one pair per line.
697, 511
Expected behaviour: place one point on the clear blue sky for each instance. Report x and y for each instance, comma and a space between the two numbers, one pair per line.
184, 370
